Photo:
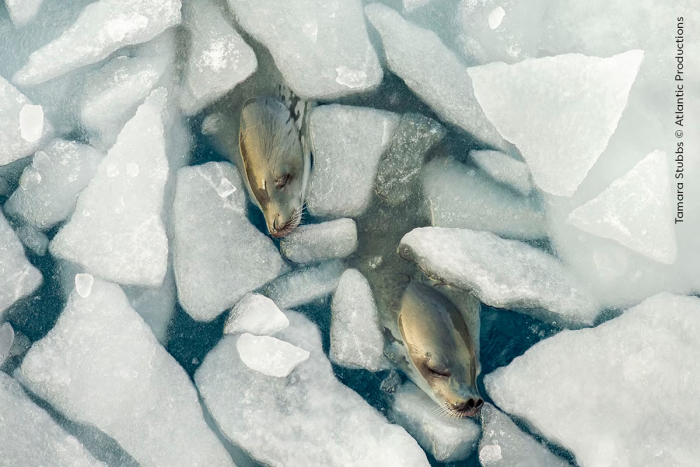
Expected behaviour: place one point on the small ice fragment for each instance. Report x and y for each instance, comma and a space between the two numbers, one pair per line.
22, 11
350, 78
269, 355
225, 188
256, 314
132, 169
496, 16
83, 284
30, 178
490, 452
31, 122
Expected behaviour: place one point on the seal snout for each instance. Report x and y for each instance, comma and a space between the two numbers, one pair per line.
469, 407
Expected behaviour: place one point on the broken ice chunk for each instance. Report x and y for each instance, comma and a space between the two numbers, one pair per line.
461, 196
22, 11
31, 437
356, 335
7, 338
22, 124
218, 58
347, 144
101, 365
102, 28
597, 391
113, 92
64, 168
400, 166
501, 273
446, 439
83, 284
504, 169
18, 278
117, 231
304, 285
219, 256
307, 418
268, 355
636, 210
31, 122
321, 48
433, 72
503, 444
37, 242
587, 95
314, 242
256, 314
496, 17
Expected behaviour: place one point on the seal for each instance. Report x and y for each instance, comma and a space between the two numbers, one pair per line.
275, 164
442, 358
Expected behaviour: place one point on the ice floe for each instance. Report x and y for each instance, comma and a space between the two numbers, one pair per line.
347, 143
256, 314
117, 231
315, 242
622, 393
101, 346
307, 418
501, 273
219, 256
305, 285
269, 355
356, 335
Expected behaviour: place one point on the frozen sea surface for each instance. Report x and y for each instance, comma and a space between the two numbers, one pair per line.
517, 148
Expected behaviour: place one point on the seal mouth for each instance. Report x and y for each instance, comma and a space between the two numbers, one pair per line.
287, 228
469, 409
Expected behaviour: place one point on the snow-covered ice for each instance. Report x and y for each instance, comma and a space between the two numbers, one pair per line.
636, 210
356, 335
113, 92
219, 256
623, 393
22, 126
22, 11
347, 145
400, 166
307, 418
269, 355
7, 338
315, 242
446, 439
501, 273
256, 314
218, 58
102, 365
305, 285
503, 444
102, 28
31, 437
50, 186
18, 278
504, 169
83, 284
433, 73
461, 196
587, 95
321, 48
117, 231
496, 17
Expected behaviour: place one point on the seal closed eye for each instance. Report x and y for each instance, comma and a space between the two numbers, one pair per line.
276, 165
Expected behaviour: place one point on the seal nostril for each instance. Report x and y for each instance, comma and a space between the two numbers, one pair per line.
479, 403
470, 404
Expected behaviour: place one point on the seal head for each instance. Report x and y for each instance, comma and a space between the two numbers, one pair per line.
276, 169
441, 351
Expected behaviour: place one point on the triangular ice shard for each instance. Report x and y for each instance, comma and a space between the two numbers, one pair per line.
559, 111
636, 210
